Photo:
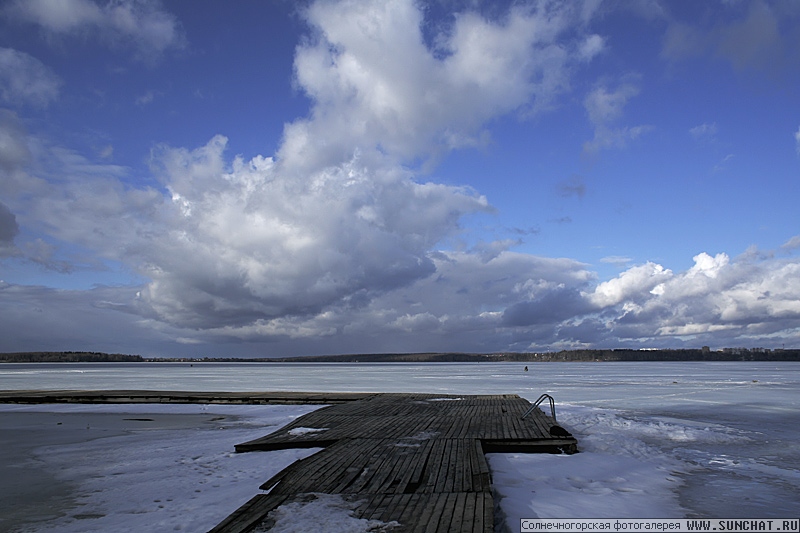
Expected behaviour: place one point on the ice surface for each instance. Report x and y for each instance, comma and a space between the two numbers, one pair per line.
161, 478
657, 440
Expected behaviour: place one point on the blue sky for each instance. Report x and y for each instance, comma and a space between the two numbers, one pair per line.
279, 178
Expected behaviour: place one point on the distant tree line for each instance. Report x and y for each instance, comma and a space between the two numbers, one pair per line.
701, 354
691, 354
443, 357
68, 357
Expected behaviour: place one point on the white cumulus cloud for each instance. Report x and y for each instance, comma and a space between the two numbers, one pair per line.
716, 301
633, 284
249, 241
376, 84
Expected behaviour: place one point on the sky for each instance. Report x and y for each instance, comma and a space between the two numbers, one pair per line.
245, 179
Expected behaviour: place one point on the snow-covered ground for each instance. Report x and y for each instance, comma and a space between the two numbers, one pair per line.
658, 441
136, 467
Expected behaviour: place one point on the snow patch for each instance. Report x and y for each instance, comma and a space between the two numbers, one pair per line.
616, 474
305, 431
445, 399
424, 435
321, 512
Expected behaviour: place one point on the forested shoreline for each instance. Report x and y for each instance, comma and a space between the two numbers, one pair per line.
68, 357
700, 354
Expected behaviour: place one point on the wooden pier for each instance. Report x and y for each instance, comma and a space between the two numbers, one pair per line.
413, 461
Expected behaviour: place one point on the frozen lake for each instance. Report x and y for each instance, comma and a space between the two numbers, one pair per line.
716, 440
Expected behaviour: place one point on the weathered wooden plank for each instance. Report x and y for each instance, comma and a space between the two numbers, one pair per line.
375, 507
394, 508
417, 470
397, 480
413, 510
250, 514
472, 480
459, 512
482, 475
361, 452
440, 463
484, 513
536, 419
468, 427
443, 474
369, 461
387, 473
478, 481
466, 466
427, 479
495, 427
519, 430
429, 521
468, 514
322, 470
454, 470
447, 513
309, 463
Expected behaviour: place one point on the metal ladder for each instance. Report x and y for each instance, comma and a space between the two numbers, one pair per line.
542, 398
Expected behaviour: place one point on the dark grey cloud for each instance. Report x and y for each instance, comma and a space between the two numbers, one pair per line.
549, 306
8, 226
42, 318
35, 318
509, 302
589, 332
532, 230
14, 151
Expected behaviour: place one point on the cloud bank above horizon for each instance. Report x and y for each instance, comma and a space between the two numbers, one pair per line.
344, 239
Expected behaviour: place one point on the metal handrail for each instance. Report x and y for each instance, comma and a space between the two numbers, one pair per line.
540, 400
